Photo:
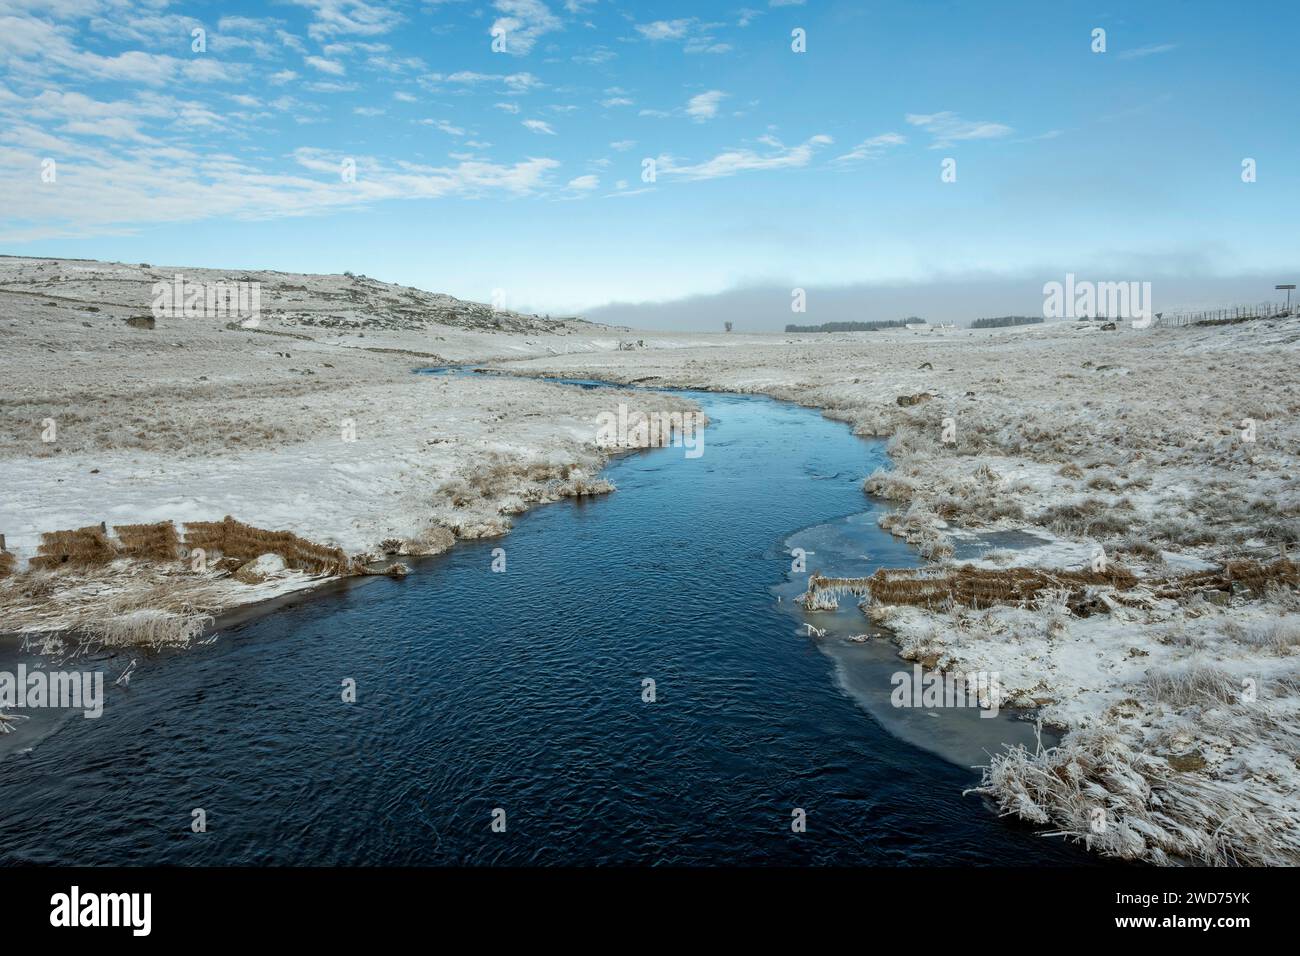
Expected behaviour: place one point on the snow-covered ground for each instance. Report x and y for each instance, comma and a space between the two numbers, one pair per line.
1163, 450
312, 422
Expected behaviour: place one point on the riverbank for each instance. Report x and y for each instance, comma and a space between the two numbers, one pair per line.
309, 421
1160, 451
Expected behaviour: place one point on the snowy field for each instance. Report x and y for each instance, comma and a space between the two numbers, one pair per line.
1161, 451
312, 422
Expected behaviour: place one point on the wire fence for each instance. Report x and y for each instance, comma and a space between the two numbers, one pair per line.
1226, 316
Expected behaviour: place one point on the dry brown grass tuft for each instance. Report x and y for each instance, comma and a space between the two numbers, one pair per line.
238, 540
85, 547
968, 585
158, 541
974, 587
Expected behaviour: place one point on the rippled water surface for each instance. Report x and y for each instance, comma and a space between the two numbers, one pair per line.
523, 690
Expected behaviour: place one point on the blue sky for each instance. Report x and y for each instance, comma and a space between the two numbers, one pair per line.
522, 170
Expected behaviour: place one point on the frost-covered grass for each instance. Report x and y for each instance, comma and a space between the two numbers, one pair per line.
148, 627
128, 603
1104, 787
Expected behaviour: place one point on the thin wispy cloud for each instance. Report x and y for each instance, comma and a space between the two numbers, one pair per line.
664, 29
332, 67
872, 148
731, 162
948, 128
695, 36
334, 18
121, 188
443, 126
595, 57
510, 83
1146, 51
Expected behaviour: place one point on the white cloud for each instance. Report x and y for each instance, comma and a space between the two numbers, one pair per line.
291, 41
704, 106
706, 45
584, 183
329, 86
664, 29
616, 101
331, 18
539, 126
595, 57
872, 147
622, 145
443, 126
396, 65
332, 67
523, 22
745, 160
512, 82
125, 186
1147, 51
115, 128
35, 50
697, 35
948, 128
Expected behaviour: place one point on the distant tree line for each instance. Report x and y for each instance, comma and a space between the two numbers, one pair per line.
852, 326
998, 322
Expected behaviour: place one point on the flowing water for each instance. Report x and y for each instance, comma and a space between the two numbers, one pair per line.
524, 691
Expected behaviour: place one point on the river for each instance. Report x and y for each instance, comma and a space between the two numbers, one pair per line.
524, 692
